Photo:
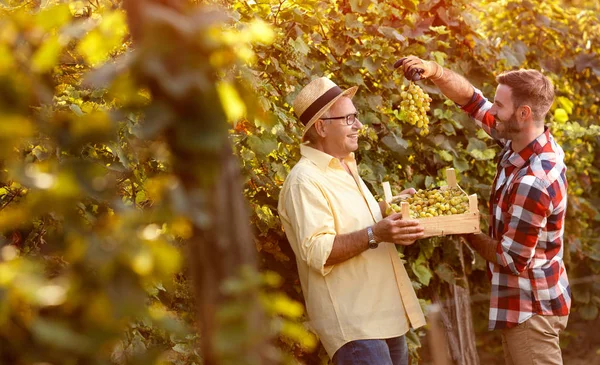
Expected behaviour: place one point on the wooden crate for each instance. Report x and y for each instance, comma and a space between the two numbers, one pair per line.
447, 224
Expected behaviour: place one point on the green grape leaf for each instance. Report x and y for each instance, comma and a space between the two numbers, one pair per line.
461, 165
446, 156
262, 146
422, 272
445, 272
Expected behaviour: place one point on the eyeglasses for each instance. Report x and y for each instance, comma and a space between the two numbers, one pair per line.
350, 118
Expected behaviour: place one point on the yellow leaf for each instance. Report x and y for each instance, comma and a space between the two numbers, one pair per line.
230, 99
168, 258
98, 44
8, 273
261, 32
297, 332
98, 309
114, 23
566, 104
9, 31
272, 279
15, 126
46, 57
66, 185
157, 186
221, 58
560, 115
225, 36
53, 17
157, 311
76, 248
7, 61
142, 263
11, 218
245, 53
93, 123
92, 48
181, 227
283, 305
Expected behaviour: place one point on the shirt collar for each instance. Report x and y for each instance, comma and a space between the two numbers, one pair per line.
322, 159
535, 147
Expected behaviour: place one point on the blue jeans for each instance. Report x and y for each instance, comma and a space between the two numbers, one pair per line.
392, 351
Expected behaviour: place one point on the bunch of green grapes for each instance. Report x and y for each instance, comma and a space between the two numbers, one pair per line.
415, 105
434, 203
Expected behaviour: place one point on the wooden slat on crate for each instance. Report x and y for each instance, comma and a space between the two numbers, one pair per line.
448, 224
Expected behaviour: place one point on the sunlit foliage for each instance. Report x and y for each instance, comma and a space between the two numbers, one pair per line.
94, 220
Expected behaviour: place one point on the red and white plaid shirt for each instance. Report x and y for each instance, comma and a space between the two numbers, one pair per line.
527, 211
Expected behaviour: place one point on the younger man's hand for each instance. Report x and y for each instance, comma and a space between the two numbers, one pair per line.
415, 68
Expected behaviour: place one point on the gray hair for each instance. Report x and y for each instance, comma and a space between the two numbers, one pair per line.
311, 134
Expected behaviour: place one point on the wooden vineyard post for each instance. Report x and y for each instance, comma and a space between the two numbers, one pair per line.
437, 336
221, 243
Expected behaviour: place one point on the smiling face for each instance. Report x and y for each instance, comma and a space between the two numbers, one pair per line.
340, 139
505, 113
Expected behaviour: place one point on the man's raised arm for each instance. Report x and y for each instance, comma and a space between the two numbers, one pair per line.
454, 86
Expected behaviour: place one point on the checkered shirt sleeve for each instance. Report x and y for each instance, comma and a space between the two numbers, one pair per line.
478, 108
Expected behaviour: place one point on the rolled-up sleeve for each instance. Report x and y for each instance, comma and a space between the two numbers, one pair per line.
312, 221
478, 108
527, 216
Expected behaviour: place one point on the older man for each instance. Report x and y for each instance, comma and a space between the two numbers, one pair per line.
530, 297
358, 296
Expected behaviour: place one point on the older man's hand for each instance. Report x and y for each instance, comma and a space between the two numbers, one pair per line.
397, 230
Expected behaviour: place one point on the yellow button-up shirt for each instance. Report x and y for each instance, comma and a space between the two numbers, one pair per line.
369, 296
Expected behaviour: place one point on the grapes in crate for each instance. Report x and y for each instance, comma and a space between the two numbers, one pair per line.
434, 203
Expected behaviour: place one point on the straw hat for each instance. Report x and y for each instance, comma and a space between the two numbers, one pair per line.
316, 98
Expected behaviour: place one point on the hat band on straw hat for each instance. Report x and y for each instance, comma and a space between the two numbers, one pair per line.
319, 104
